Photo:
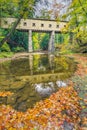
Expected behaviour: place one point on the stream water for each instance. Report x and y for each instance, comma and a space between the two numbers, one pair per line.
33, 78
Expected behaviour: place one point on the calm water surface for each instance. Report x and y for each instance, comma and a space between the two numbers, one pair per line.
33, 78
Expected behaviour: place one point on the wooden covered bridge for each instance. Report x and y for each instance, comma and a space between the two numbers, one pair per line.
36, 25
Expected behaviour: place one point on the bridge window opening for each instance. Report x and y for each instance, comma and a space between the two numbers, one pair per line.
42, 25
57, 26
50, 25
5, 22
33, 24
25, 23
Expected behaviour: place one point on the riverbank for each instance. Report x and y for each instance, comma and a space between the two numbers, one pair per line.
65, 109
11, 56
80, 84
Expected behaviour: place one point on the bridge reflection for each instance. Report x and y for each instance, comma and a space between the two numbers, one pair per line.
38, 68
33, 78
47, 68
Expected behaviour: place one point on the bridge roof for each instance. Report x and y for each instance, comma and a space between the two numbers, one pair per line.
48, 19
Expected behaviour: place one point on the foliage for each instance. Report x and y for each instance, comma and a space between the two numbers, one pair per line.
40, 41
36, 42
4, 94
44, 42
20, 39
6, 54
59, 38
5, 47
77, 16
19, 9
18, 49
80, 84
63, 44
44, 14
66, 48
61, 107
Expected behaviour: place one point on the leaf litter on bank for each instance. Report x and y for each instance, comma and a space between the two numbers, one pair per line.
61, 108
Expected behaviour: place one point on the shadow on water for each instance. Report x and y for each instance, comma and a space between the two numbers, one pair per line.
33, 78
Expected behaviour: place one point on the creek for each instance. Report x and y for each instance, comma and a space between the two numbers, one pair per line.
33, 78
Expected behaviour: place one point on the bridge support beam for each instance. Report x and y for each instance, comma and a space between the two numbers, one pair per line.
51, 47
30, 47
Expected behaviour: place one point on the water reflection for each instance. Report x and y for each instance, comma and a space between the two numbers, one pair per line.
33, 78
45, 89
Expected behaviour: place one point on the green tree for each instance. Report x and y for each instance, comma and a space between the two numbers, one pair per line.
77, 14
19, 39
44, 42
19, 9
36, 44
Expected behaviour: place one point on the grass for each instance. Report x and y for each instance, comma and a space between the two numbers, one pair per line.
6, 54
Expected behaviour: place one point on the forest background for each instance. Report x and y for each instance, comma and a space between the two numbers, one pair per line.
74, 12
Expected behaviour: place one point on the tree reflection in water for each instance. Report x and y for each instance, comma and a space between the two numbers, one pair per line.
33, 78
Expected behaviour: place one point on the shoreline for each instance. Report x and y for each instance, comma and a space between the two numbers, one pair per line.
20, 55
79, 80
